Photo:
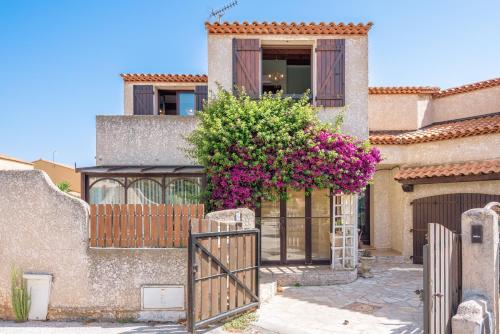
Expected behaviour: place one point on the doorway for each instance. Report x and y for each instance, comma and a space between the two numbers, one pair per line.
296, 230
445, 210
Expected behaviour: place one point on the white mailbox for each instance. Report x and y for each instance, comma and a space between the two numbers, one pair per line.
162, 297
39, 291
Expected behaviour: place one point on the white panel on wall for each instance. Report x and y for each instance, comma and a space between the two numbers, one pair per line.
162, 297
38, 286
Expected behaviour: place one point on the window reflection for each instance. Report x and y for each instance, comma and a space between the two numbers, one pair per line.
106, 191
144, 191
182, 190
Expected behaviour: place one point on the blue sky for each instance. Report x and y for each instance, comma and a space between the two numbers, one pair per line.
60, 60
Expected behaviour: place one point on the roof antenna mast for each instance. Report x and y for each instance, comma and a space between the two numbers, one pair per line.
219, 13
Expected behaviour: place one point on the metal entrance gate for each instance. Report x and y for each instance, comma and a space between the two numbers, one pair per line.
223, 272
442, 279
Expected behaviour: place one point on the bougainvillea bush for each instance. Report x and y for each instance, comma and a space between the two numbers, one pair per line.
255, 149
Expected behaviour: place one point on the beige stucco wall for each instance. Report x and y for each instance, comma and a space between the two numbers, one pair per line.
392, 217
220, 60
6, 163
478, 102
391, 212
43, 230
399, 111
444, 151
483, 187
59, 173
143, 140
413, 111
128, 92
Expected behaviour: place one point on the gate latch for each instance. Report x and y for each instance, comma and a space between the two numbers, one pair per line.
195, 268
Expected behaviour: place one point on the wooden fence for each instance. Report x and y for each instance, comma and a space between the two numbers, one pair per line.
141, 226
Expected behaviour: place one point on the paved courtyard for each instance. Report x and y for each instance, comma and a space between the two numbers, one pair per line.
386, 303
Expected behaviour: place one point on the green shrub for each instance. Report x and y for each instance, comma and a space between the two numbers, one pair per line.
64, 186
21, 300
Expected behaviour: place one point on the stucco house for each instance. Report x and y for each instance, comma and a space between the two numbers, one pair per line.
434, 142
7, 162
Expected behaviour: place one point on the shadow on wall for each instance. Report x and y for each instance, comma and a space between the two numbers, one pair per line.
43, 230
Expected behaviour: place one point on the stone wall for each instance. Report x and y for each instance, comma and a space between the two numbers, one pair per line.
143, 140
43, 230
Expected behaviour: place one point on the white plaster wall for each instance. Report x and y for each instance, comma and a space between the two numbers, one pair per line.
9, 164
128, 92
478, 102
43, 230
443, 151
143, 140
220, 60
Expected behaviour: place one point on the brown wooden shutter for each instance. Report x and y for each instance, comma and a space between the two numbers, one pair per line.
201, 94
246, 65
143, 100
330, 75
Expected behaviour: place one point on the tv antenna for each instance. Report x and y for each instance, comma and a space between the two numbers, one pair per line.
219, 13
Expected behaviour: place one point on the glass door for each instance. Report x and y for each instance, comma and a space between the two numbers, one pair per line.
296, 230
295, 227
270, 231
320, 225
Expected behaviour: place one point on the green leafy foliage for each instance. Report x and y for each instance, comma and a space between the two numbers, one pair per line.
255, 149
21, 300
64, 186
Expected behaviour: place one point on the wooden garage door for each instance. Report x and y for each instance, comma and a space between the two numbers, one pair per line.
445, 210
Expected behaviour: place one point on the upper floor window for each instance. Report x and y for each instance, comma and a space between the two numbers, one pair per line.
149, 100
287, 70
171, 102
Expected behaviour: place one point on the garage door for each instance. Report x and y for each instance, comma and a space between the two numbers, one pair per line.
445, 210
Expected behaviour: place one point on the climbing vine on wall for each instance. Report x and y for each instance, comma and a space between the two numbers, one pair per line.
254, 149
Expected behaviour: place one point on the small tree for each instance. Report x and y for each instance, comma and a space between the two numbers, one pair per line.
255, 149
64, 186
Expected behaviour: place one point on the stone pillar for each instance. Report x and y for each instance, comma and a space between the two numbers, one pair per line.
241, 215
479, 271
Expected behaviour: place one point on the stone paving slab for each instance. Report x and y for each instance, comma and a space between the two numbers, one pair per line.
386, 303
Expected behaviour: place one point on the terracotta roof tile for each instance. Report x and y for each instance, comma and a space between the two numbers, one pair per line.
483, 167
133, 77
469, 87
404, 90
443, 131
284, 28
435, 91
